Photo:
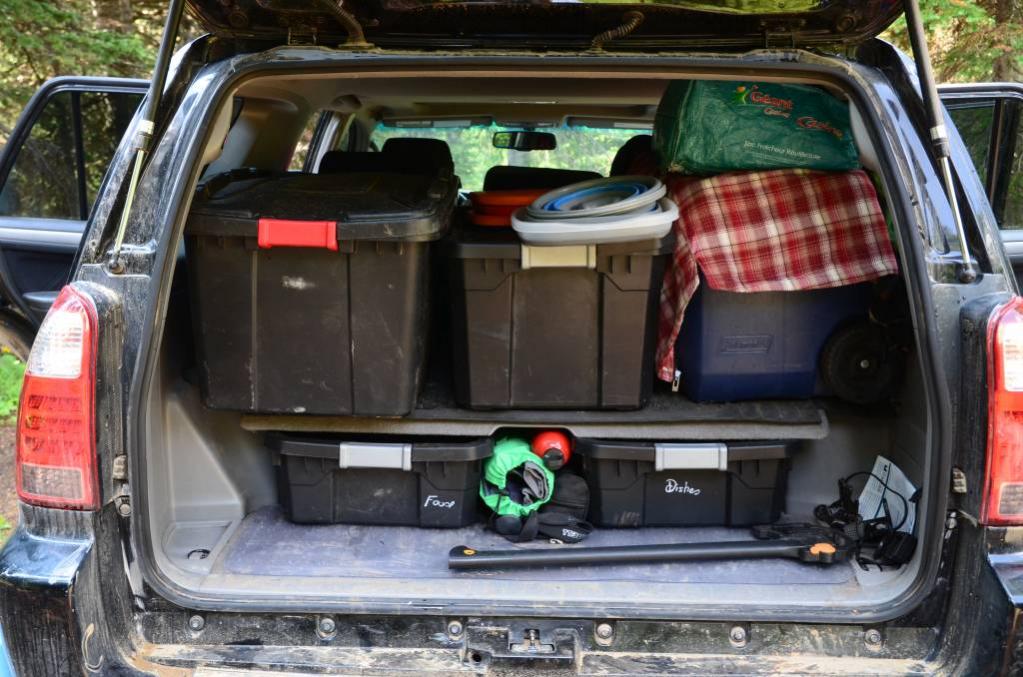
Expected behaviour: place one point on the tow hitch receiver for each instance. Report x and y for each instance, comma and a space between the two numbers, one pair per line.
544, 645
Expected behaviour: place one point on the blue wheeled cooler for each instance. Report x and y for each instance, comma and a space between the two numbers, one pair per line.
739, 346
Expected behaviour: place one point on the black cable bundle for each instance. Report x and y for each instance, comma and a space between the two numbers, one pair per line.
888, 545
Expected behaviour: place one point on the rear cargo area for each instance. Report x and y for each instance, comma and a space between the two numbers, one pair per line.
226, 534
351, 343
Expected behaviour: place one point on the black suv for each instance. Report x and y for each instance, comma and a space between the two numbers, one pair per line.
155, 534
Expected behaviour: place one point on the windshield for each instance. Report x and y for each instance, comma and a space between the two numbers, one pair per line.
472, 148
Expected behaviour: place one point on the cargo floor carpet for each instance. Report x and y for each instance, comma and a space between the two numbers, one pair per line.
267, 544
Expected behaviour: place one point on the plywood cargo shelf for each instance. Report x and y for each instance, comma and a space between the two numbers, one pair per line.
667, 416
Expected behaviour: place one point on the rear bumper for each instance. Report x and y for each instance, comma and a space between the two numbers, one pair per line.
37, 614
1005, 560
67, 607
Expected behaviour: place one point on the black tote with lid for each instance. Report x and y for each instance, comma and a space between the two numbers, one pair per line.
309, 292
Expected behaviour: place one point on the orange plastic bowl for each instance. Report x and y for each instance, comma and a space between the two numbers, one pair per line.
494, 208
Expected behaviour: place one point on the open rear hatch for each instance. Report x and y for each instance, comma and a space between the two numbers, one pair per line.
683, 23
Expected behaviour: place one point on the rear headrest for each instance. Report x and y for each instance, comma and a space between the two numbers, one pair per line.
412, 153
338, 161
635, 156
504, 177
407, 156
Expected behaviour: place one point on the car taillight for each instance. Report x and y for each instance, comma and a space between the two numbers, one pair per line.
1003, 496
56, 457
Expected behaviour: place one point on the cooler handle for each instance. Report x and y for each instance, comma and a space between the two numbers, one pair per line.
563, 256
369, 455
696, 456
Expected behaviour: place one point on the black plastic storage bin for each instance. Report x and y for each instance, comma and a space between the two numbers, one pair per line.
553, 327
309, 292
428, 484
644, 484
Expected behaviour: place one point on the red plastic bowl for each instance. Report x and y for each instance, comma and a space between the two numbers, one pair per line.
494, 208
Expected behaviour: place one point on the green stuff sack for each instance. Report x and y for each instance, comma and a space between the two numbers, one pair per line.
515, 480
709, 127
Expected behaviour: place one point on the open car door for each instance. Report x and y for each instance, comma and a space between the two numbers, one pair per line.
988, 117
51, 169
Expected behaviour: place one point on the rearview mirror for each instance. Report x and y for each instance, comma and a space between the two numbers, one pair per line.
525, 141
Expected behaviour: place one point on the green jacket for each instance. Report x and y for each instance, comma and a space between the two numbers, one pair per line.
510, 454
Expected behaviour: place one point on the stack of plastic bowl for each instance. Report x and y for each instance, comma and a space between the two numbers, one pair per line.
616, 209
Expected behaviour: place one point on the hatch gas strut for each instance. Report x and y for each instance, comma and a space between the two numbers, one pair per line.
144, 132
938, 130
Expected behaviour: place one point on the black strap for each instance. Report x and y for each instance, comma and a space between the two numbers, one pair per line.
562, 527
554, 525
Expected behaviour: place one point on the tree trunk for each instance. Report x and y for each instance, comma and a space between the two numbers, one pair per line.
114, 14
1006, 65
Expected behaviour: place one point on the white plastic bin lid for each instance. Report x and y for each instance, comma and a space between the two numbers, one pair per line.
653, 224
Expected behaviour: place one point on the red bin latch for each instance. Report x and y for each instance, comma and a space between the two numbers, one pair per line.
285, 233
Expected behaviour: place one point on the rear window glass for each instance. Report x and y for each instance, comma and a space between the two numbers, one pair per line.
472, 148
58, 169
974, 124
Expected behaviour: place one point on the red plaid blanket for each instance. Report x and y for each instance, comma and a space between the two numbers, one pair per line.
780, 230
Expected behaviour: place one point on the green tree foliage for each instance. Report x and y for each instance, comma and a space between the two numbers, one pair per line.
12, 371
41, 39
971, 40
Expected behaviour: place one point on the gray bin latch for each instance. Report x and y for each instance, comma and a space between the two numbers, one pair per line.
696, 456
368, 455
559, 256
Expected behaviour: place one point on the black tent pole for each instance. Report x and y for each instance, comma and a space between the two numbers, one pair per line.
808, 549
